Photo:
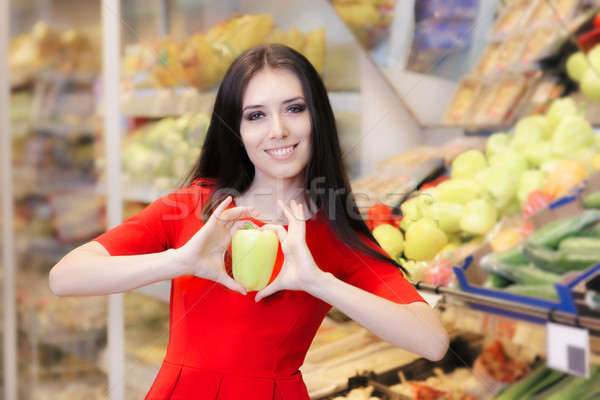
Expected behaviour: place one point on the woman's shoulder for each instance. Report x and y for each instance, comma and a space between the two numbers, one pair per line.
192, 195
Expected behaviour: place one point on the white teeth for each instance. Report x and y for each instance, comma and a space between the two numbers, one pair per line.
281, 152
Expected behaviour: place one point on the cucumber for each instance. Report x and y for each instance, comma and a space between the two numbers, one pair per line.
541, 291
553, 233
561, 261
495, 281
592, 200
553, 378
520, 389
527, 273
530, 274
513, 256
591, 231
580, 243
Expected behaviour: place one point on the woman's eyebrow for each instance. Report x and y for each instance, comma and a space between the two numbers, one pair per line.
250, 107
294, 99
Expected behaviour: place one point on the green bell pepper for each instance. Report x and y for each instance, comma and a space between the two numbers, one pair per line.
253, 256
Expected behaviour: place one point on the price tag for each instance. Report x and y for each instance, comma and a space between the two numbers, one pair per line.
568, 349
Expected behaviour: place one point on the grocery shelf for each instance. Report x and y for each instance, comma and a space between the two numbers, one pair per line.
517, 309
156, 103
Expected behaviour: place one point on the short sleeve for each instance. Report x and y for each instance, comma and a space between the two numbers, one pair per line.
155, 228
381, 278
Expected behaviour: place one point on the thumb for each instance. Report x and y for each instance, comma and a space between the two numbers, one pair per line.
267, 291
232, 284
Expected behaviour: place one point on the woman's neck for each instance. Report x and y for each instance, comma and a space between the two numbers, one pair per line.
263, 195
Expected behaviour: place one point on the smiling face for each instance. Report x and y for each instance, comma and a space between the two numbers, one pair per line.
275, 126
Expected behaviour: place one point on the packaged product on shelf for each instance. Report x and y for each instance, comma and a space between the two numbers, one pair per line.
511, 19
487, 63
538, 44
201, 60
557, 11
369, 20
466, 93
496, 106
509, 51
46, 47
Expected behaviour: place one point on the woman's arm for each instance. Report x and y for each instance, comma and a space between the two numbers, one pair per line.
91, 270
414, 327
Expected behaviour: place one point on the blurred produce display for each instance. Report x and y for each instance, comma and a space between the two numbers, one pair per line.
520, 70
160, 154
48, 48
369, 20
201, 60
487, 196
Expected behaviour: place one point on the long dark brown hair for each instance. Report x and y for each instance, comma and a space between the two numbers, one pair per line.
224, 161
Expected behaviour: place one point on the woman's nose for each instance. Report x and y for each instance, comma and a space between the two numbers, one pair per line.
278, 128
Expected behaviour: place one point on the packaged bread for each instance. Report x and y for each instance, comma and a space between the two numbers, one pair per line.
537, 43
509, 51
511, 19
465, 94
487, 62
554, 11
501, 105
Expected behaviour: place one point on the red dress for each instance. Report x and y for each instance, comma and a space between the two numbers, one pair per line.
223, 345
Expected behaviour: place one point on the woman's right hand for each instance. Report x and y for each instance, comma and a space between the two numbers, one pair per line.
204, 252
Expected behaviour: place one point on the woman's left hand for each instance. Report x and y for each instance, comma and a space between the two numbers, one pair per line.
299, 270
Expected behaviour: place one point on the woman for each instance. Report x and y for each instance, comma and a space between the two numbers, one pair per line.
272, 156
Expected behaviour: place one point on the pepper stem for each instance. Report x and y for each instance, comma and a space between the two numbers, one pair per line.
248, 225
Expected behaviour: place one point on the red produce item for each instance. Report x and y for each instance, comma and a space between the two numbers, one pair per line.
379, 214
536, 200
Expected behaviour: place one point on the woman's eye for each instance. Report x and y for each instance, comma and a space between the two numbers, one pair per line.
297, 108
254, 116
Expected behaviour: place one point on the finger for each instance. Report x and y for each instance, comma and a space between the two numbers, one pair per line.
295, 216
299, 211
220, 208
286, 211
278, 229
267, 291
233, 214
232, 284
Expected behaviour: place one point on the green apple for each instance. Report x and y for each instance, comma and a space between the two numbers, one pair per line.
253, 253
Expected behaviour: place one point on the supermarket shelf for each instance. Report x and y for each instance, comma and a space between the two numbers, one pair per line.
156, 103
517, 309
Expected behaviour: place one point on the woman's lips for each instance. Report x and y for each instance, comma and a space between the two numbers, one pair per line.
282, 153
